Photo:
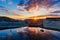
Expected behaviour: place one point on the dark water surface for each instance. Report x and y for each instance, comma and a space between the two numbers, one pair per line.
17, 34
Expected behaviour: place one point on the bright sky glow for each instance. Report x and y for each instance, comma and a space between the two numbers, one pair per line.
27, 8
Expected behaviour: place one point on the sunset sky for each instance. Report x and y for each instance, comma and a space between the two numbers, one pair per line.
27, 8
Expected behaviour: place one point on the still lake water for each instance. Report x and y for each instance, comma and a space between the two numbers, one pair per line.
12, 34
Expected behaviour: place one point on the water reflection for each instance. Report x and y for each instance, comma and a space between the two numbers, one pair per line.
29, 33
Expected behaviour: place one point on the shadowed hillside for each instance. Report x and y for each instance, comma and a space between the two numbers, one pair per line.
7, 19
8, 23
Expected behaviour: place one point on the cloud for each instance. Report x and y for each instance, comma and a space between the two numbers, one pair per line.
57, 11
3, 0
39, 3
4, 9
10, 3
8, 11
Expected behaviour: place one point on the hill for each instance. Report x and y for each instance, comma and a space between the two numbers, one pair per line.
7, 19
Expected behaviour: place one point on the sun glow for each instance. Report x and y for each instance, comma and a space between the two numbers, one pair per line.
35, 18
38, 11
